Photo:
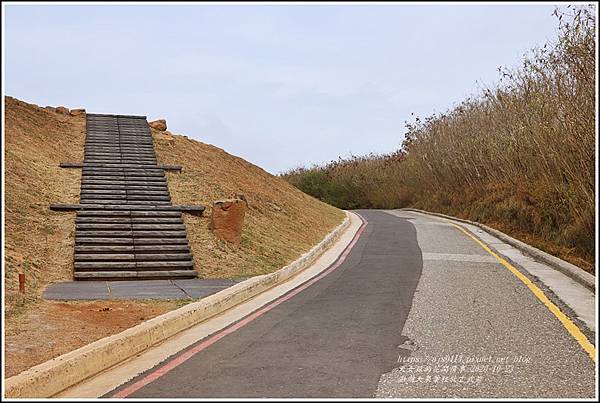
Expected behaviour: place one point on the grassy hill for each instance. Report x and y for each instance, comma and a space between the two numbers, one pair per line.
281, 224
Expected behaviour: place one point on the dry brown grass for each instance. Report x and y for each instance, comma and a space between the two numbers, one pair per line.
38, 242
520, 155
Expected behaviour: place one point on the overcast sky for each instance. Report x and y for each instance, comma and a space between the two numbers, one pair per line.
279, 85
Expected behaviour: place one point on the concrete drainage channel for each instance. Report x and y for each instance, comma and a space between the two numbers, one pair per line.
58, 374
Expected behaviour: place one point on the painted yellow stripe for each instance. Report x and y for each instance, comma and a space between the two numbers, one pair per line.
567, 323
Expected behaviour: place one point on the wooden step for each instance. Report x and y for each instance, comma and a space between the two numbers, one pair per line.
91, 158
142, 173
125, 203
104, 191
129, 220
156, 220
98, 196
181, 248
115, 145
104, 226
121, 158
109, 159
157, 227
127, 195
137, 242
125, 182
118, 141
119, 146
112, 257
162, 264
79, 266
149, 207
119, 153
130, 226
111, 148
141, 275
136, 265
142, 233
128, 257
133, 173
108, 135
143, 257
104, 234
141, 197
83, 240
128, 187
125, 191
94, 162
154, 181
159, 241
143, 192
124, 178
121, 200
150, 168
119, 165
127, 155
104, 213
104, 249
121, 134
161, 248
84, 220
106, 275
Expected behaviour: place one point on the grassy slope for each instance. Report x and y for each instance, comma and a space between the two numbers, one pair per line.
282, 222
38, 242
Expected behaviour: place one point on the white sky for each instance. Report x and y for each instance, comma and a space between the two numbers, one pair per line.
279, 85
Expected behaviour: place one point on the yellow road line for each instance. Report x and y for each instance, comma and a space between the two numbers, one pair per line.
567, 323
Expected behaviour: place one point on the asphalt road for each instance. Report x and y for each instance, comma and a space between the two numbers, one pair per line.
416, 310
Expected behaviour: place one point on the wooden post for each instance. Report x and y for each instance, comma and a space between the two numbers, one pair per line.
22, 283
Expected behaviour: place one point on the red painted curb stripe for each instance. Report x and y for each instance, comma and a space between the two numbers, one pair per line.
151, 377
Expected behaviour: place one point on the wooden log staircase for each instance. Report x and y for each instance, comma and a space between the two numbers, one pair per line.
126, 226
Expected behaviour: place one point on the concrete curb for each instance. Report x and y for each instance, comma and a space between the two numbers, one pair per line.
576, 273
53, 376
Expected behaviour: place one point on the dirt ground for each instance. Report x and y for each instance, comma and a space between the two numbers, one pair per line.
55, 328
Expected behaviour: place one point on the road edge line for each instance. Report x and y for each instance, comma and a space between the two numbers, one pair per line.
568, 324
55, 375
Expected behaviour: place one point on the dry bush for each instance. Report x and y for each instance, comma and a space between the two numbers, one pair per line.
520, 155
